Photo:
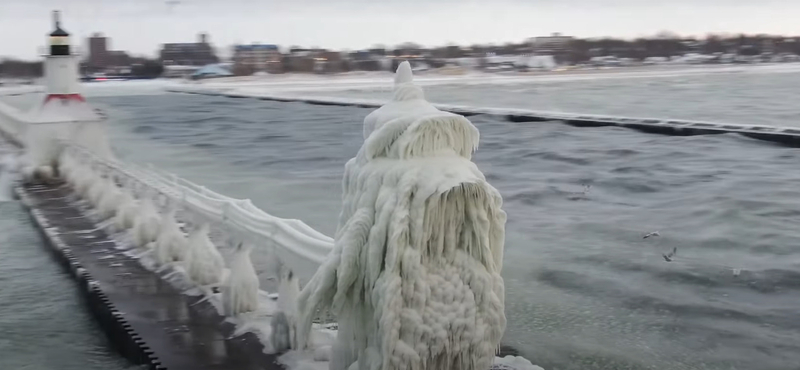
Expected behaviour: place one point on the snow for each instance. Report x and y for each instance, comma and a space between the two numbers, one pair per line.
240, 292
414, 277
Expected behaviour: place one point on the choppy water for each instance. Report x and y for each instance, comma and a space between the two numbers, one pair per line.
584, 290
44, 324
765, 95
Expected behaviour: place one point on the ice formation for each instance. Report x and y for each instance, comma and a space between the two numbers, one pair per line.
147, 224
85, 179
284, 324
67, 166
171, 244
240, 292
414, 276
514, 362
110, 201
8, 171
42, 146
205, 264
126, 211
281, 335
97, 190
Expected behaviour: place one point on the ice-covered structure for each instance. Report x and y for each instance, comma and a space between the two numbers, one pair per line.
146, 225
284, 323
171, 244
204, 263
62, 116
414, 276
240, 292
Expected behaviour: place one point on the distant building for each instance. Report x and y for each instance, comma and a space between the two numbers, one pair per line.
553, 44
98, 51
314, 61
103, 59
329, 62
189, 54
248, 59
299, 60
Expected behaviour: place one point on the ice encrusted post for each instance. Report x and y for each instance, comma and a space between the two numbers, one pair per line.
414, 276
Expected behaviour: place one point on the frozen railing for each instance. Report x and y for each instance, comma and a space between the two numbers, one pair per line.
296, 244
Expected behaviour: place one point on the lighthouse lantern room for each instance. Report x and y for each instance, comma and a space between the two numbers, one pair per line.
61, 67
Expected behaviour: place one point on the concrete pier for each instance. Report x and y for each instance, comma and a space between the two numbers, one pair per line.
783, 135
149, 321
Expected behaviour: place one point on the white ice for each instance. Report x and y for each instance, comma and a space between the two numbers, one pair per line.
126, 211
515, 362
171, 244
284, 323
8, 174
97, 190
240, 292
147, 224
111, 200
204, 263
414, 277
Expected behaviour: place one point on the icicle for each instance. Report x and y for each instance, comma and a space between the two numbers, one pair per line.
84, 180
110, 201
284, 323
171, 244
205, 264
97, 190
126, 212
147, 224
240, 292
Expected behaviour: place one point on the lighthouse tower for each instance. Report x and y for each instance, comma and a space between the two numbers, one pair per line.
61, 67
63, 117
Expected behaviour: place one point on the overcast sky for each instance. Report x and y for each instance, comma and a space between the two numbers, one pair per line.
139, 26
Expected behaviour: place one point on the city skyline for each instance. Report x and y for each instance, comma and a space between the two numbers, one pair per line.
141, 27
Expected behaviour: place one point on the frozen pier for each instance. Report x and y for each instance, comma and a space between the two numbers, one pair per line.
783, 135
148, 320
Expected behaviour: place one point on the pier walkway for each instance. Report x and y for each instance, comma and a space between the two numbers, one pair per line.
149, 321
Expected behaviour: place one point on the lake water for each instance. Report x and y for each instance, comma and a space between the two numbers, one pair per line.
584, 289
763, 95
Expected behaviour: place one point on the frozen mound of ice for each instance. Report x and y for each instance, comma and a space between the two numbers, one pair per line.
111, 201
8, 175
240, 292
205, 264
97, 190
414, 276
126, 211
171, 244
42, 146
284, 324
147, 224
513, 363
84, 180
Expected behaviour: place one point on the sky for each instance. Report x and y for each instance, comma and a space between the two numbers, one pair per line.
140, 26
